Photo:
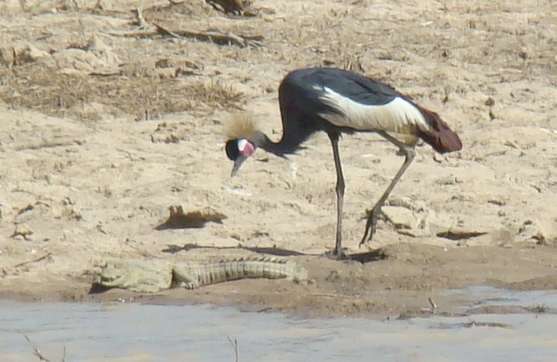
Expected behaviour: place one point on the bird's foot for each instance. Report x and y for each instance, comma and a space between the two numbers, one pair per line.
365, 238
371, 225
336, 254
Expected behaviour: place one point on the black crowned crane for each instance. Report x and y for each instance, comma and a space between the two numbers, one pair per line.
336, 101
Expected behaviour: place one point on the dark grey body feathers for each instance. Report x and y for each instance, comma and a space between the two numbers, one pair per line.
302, 107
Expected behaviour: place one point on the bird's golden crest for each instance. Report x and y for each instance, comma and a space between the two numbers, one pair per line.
240, 125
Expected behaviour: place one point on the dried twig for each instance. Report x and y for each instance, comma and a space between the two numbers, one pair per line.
209, 36
36, 350
47, 144
165, 31
140, 19
33, 261
214, 37
106, 73
432, 304
134, 34
234, 343
224, 39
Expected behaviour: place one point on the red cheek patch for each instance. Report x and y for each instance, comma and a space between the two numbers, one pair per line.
246, 148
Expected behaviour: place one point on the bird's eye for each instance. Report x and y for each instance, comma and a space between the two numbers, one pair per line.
232, 150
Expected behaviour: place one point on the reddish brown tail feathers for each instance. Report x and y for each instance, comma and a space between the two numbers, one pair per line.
440, 137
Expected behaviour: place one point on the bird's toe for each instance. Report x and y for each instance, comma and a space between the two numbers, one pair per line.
336, 254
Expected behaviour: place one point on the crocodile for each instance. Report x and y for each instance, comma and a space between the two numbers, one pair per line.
153, 275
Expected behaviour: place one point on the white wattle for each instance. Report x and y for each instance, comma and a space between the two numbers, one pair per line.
398, 116
242, 144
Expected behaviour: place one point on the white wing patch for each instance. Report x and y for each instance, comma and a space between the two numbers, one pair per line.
398, 116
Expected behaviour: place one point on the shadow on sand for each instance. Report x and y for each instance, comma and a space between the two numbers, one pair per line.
173, 249
365, 257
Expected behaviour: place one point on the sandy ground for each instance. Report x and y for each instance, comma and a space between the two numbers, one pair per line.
104, 125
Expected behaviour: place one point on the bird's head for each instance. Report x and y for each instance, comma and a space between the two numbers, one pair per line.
241, 132
239, 150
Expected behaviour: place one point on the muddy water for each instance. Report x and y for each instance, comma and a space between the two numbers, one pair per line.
123, 332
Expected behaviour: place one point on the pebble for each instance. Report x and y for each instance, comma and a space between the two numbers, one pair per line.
22, 231
400, 217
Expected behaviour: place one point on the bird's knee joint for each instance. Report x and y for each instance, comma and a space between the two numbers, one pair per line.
340, 187
409, 152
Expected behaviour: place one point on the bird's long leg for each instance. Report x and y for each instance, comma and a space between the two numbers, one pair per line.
409, 154
340, 196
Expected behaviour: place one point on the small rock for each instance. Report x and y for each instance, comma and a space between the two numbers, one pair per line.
448, 180
27, 54
177, 63
406, 202
461, 233
498, 202
21, 54
400, 217
22, 231
539, 231
492, 115
169, 133
462, 198
6, 57
33, 54
95, 44
333, 276
166, 73
96, 57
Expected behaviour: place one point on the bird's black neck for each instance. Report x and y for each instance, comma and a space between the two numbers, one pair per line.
280, 148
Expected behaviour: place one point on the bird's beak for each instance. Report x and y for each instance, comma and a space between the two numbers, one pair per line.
237, 163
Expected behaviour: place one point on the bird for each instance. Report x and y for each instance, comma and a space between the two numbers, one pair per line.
338, 102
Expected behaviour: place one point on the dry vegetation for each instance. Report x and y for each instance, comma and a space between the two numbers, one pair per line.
137, 92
